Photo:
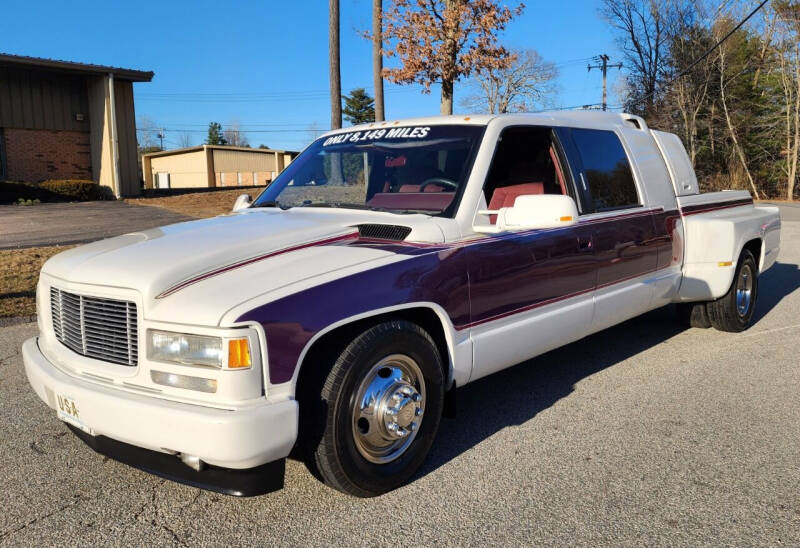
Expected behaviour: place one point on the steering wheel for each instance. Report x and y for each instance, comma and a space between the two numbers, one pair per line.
438, 181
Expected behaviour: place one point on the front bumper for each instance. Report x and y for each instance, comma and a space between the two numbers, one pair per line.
239, 439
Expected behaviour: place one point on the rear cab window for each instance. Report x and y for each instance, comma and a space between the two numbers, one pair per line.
605, 172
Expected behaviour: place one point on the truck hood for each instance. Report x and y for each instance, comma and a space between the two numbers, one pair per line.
222, 261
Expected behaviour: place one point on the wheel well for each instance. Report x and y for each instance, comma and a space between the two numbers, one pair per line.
335, 340
754, 247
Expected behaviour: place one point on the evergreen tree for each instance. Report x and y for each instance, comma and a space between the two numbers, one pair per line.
215, 135
359, 107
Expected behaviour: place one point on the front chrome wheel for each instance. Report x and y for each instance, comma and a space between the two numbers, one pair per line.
388, 408
744, 290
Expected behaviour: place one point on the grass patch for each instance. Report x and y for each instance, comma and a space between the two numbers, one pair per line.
19, 274
197, 204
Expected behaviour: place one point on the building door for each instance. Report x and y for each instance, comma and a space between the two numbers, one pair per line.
162, 180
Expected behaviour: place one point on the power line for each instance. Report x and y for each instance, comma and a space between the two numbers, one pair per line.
604, 66
694, 63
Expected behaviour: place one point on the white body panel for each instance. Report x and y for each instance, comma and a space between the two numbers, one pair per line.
243, 437
684, 180
252, 420
716, 238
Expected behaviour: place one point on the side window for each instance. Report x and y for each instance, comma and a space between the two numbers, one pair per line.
525, 162
606, 168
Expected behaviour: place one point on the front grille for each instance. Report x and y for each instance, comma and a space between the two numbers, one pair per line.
103, 329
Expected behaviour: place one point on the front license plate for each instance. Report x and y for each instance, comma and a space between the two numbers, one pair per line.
68, 412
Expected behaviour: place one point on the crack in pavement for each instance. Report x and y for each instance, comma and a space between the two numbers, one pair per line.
155, 521
73, 502
12, 355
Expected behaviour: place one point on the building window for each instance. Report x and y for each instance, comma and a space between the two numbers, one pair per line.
606, 169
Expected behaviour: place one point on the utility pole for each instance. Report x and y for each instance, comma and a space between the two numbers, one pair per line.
377, 57
161, 137
604, 66
333, 54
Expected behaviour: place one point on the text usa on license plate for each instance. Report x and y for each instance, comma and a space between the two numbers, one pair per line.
68, 411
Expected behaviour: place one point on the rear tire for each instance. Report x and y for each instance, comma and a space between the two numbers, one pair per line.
733, 312
378, 410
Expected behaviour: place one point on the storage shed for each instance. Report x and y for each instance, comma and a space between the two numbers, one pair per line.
213, 166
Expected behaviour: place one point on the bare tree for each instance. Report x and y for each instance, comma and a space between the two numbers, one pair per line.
333, 59
788, 55
185, 139
724, 81
643, 32
692, 92
377, 57
314, 131
146, 132
234, 136
525, 85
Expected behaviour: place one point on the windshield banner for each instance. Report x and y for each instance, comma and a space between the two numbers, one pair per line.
393, 133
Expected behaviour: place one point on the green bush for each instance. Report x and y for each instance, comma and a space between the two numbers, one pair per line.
53, 191
82, 191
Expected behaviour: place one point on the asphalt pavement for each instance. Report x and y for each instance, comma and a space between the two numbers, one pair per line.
79, 222
644, 434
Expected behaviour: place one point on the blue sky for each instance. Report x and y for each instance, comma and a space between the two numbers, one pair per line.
265, 63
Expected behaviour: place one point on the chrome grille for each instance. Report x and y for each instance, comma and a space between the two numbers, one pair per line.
103, 329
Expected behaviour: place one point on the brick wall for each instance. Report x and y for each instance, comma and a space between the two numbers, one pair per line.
34, 155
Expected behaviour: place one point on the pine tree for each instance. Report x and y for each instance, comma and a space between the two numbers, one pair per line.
215, 136
359, 107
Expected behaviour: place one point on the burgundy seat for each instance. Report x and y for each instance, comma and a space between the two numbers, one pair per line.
505, 196
433, 187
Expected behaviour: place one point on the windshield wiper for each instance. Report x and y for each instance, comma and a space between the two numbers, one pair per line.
272, 203
366, 207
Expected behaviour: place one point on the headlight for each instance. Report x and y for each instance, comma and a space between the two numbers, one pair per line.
182, 348
185, 349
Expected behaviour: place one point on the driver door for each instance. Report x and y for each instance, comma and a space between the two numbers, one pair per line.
530, 291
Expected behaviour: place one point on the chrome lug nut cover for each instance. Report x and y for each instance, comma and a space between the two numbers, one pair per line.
388, 408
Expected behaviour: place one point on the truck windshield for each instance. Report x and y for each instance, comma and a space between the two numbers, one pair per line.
408, 169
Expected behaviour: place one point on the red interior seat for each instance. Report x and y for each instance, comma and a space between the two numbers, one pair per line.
433, 187
505, 196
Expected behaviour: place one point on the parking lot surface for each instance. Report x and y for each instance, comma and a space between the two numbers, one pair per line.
61, 224
643, 434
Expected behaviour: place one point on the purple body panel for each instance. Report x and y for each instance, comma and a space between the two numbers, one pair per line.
473, 281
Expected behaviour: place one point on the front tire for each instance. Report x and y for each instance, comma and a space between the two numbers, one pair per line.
733, 312
379, 411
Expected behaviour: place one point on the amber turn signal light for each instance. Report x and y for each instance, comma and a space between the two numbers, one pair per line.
238, 354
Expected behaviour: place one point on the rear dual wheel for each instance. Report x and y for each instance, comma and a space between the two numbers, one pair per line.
376, 415
732, 312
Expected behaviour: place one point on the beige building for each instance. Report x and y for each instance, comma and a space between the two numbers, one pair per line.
65, 120
213, 166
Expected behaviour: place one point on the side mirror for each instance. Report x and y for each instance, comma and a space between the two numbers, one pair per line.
533, 211
242, 202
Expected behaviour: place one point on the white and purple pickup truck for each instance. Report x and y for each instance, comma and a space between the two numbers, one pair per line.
333, 317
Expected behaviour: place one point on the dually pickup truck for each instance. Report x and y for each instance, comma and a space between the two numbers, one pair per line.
332, 318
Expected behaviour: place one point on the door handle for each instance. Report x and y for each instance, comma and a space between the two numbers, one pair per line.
584, 244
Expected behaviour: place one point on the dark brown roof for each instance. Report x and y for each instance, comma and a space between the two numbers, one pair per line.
79, 68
